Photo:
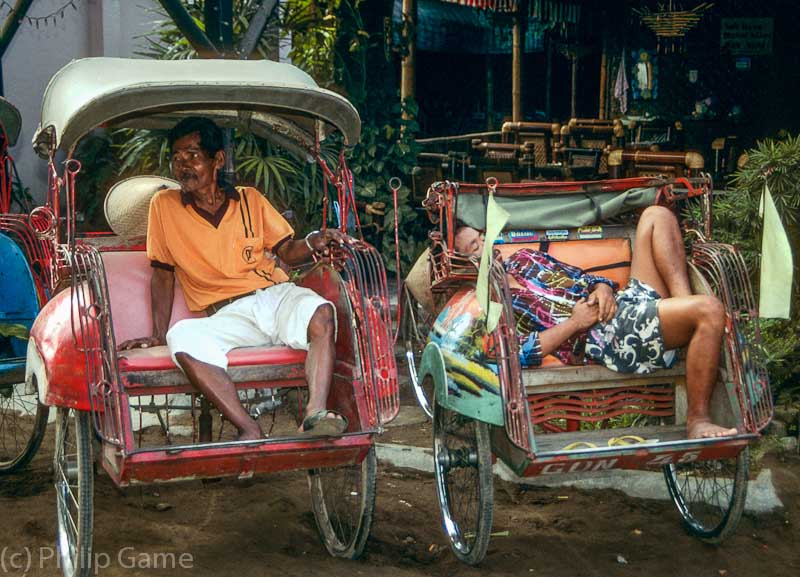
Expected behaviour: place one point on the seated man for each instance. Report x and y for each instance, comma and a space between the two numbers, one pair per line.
561, 310
219, 242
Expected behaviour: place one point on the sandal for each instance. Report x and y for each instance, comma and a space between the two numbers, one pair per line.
320, 424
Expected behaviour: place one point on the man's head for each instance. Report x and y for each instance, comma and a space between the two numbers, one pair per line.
468, 240
197, 153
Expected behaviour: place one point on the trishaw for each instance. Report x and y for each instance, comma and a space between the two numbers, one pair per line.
23, 287
100, 392
560, 419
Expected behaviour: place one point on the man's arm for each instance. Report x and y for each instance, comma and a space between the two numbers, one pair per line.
537, 345
162, 293
584, 315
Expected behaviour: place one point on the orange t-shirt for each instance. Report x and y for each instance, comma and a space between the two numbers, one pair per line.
217, 263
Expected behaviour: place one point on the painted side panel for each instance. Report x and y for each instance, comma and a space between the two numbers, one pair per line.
472, 383
19, 302
652, 458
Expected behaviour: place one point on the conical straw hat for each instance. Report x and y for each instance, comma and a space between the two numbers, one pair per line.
128, 201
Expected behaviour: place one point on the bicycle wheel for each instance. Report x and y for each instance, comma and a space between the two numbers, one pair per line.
343, 500
415, 324
710, 495
23, 420
74, 484
462, 461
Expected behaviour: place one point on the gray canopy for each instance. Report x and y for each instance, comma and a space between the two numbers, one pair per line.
555, 211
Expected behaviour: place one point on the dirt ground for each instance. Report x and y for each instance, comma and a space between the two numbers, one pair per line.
265, 527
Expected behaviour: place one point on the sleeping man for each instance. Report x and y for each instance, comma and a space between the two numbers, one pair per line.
561, 310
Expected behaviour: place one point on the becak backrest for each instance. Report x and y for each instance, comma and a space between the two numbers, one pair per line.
607, 257
128, 275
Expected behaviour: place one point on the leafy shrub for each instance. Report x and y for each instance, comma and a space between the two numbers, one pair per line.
388, 149
775, 162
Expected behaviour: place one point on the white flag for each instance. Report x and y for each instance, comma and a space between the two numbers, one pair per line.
775, 289
496, 218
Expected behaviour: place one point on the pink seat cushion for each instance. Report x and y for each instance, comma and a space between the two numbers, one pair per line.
128, 275
158, 358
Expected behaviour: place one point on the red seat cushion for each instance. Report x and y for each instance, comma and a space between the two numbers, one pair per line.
158, 358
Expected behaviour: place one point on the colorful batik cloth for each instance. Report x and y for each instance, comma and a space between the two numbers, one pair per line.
550, 289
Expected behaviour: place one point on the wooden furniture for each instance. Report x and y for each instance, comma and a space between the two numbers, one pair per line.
626, 163
586, 142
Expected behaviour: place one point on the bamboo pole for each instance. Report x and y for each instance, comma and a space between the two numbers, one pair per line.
548, 46
603, 80
516, 70
407, 81
574, 98
489, 93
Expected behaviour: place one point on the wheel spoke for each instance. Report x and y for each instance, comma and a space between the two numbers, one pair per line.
463, 476
74, 490
21, 425
342, 505
710, 494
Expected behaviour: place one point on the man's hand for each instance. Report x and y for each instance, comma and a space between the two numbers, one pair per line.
585, 314
142, 343
321, 240
603, 296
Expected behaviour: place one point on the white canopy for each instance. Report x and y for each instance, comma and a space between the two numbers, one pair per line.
278, 97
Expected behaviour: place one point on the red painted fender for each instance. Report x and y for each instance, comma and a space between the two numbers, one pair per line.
55, 358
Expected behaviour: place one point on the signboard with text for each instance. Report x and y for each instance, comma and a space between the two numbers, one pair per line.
751, 36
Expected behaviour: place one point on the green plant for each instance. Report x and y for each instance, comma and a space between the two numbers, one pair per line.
388, 149
329, 42
775, 162
168, 43
99, 168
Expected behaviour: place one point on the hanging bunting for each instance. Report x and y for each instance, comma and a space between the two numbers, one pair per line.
45, 19
549, 11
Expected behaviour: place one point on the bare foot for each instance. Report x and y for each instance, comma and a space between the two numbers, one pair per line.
705, 429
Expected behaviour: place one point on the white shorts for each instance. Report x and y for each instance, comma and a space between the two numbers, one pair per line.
277, 315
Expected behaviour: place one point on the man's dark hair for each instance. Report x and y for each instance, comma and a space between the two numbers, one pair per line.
210, 133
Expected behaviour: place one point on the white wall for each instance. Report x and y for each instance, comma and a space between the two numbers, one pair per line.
97, 27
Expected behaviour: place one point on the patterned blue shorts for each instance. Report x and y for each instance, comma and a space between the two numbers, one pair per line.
632, 341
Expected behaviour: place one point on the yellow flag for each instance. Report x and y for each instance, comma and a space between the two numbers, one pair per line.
496, 217
775, 289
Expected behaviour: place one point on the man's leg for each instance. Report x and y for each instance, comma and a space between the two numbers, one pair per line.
659, 258
215, 384
200, 346
320, 358
696, 322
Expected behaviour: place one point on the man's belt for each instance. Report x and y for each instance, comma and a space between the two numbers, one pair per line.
213, 308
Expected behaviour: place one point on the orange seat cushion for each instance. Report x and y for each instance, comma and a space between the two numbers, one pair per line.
585, 254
